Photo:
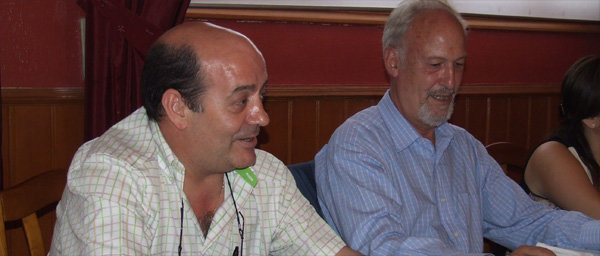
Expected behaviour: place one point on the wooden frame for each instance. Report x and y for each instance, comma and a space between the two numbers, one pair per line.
561, 9
379, 18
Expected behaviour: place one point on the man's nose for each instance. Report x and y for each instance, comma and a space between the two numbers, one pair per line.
258, 115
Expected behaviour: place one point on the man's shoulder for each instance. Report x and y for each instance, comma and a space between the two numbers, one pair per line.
459, 133
130, 141
271, 171
121, 153
368, 116
267, 165
364, 122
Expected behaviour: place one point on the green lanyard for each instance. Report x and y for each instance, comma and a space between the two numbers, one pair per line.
248, 175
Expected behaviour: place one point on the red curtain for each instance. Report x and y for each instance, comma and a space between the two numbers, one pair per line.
1, 135
118, 35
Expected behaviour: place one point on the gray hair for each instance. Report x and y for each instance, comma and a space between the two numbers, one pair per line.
402, 17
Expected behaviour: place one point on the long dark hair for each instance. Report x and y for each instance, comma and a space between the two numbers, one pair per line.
581, 100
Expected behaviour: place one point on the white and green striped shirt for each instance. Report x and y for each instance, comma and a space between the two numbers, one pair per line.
124, 196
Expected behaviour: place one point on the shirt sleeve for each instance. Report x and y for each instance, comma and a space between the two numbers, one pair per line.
101, 212
359, 198
301, 231
512, 219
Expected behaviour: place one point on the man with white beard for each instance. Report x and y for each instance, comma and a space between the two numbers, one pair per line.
397, 179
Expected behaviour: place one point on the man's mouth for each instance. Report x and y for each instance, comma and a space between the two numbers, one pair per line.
442, 94
249, 136
250, 139
442, 97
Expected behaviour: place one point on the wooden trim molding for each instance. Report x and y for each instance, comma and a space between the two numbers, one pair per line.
532, 24
380, 17
76, 94
509, 89
349, 17
299, 91
12, 95
377, 90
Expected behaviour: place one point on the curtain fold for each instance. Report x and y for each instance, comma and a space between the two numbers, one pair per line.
118, 35
1, 135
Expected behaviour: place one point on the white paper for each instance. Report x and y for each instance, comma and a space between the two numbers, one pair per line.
565, 252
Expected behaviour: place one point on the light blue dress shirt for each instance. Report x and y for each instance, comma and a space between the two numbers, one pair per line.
388, 191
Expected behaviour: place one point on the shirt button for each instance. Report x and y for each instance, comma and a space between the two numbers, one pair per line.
443, 200
456, 234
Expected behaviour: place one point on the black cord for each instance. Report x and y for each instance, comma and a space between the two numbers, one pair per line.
237, 214
181, 229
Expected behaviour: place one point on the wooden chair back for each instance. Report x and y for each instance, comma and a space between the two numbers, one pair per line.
511, 157
22, 201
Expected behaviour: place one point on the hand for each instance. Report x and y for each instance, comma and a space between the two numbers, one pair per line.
346, 251
532, 251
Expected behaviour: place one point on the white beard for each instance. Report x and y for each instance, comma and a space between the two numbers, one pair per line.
427, 116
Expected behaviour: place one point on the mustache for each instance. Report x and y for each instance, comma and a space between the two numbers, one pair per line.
251, 131
442, 92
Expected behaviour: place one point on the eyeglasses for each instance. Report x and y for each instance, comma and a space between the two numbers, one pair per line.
238, 251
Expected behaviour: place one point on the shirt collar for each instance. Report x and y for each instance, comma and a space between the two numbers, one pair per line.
167, 160
403, 134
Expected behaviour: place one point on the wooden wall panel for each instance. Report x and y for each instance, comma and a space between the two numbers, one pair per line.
476, 114
519, 120
303, 141
554, 107
30, 141
4, 142
274, 137
41, 130
301, 124
310, 121
66, 141
459, 117
539, 129
497, 118
354, 105
519, 114
332, 113
47, 126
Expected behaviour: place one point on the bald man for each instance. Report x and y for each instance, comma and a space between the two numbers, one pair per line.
181, 175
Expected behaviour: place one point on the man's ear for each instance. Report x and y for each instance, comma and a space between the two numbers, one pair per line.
174, 107
391, 61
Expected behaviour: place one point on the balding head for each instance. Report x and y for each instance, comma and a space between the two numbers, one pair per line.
207, 40
402, 17
181, 56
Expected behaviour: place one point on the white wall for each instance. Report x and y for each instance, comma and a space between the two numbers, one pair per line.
557, 9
